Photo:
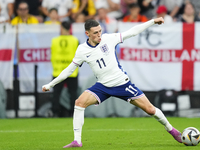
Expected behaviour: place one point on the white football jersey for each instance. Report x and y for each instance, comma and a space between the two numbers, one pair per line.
102, 60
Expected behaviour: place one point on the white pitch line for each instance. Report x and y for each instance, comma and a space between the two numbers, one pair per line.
87, 130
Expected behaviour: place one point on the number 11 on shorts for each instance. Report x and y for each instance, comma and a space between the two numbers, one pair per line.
131, 90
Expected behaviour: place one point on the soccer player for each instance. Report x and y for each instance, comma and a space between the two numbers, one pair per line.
63, 49
99, 52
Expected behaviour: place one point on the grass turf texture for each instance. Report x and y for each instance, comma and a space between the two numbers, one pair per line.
98, 134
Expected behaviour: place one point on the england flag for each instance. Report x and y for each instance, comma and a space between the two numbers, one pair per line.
7, 46
163, 57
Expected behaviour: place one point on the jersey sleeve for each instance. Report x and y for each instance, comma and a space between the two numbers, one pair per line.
137, 29
78, 59
116, 38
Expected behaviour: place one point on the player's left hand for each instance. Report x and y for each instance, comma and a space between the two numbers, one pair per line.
159, 20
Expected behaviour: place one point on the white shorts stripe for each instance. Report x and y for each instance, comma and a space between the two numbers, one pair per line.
98, 99
134, 98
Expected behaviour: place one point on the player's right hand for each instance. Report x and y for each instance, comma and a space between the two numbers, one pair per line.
46, 87
159, 20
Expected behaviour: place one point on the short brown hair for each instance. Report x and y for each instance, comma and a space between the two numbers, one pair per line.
90, 23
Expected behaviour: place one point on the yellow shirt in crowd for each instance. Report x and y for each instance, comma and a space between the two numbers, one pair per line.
90, 8
31, 20
50, 22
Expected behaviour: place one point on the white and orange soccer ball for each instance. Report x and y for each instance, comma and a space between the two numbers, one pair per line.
190, 136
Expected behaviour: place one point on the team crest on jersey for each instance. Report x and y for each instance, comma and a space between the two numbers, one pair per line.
104, 49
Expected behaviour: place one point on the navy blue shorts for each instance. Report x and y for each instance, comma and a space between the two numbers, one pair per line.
126, 92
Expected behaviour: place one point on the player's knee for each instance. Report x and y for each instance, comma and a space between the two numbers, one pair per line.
80, 103
151, 110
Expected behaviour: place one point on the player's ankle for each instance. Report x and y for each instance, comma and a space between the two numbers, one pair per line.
78, 141
168, 127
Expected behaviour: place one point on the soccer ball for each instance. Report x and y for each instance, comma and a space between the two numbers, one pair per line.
190, 136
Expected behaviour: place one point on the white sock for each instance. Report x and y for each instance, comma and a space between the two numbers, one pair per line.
160, 117
78, 121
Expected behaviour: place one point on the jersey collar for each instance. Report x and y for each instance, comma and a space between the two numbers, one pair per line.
90, 44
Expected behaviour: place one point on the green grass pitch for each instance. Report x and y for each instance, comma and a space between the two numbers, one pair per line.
98, 134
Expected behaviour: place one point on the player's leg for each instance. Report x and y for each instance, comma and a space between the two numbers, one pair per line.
72, 84
146, 105
85, 99
55, 99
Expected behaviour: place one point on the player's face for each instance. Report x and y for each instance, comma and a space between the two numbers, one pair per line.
94, 35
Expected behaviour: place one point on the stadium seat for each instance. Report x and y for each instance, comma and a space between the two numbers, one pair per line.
166, 100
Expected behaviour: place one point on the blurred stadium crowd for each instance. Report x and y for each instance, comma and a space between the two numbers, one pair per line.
105, 11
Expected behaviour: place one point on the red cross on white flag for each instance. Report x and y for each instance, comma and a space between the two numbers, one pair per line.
164, 57
7, 46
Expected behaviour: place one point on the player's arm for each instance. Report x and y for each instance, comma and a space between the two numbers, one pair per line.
62, 76
139, 28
